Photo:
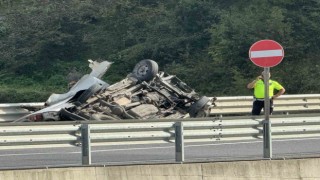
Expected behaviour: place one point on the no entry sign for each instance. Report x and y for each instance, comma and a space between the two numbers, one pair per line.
266, 53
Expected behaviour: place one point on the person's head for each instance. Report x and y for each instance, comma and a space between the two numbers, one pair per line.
262, 73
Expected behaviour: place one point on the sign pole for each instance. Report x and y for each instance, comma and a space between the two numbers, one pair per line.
266, 53
267, 139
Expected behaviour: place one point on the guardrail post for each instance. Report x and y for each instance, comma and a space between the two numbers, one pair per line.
86, 144
179, 142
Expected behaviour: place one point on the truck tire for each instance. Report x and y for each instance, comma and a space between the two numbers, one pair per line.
145, 70
196, 107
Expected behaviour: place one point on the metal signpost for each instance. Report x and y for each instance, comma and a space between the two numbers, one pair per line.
266, 54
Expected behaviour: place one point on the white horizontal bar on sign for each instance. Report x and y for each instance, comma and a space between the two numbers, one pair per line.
266, 53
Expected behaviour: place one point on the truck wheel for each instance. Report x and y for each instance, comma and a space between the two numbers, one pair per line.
145, 70
196, 107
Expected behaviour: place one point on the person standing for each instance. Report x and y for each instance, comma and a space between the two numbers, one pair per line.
258, 86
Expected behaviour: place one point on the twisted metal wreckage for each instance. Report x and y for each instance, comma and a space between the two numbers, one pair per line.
146, 93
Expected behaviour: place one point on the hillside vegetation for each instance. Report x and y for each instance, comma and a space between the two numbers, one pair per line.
204, 42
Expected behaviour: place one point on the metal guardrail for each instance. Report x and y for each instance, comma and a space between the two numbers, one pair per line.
285, 104
236, 105
27, 135
12, 111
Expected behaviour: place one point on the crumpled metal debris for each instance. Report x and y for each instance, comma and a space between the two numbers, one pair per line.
146, 93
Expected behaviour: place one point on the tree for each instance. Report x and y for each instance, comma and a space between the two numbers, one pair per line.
240, 27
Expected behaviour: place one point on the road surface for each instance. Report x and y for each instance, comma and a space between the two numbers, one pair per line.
157, 153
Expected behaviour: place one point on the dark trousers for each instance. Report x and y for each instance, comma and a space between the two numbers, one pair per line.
258, 105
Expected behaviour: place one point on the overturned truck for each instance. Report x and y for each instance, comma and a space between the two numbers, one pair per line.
146, 93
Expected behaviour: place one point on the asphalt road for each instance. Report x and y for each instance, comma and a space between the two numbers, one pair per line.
157, 153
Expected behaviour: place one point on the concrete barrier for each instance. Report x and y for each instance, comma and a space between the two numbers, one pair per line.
240, 170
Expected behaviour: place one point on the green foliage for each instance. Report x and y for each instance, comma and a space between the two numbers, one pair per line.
241, 26
30, 93
205, 43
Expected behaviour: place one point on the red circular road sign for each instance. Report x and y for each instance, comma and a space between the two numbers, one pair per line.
266, 53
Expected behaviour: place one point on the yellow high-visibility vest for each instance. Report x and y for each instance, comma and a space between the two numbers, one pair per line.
259, 88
